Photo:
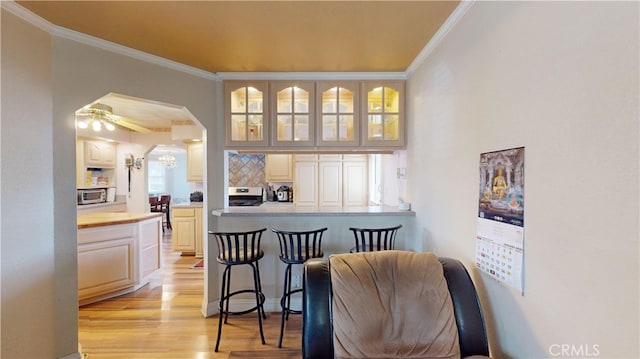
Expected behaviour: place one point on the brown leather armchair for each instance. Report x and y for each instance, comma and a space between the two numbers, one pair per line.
318, 337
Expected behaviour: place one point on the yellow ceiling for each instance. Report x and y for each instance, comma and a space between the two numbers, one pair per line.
261, 36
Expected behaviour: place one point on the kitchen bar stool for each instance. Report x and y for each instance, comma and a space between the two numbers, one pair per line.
374, 239
295, 248
239, 248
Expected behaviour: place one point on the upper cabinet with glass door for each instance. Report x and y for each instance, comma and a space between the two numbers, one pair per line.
384, 123
292, 113
246, 113
337, 114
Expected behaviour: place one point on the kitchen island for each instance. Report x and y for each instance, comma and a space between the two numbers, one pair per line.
117, 253
286, 216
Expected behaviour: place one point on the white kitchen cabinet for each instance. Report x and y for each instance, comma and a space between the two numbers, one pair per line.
114, 259
354, 181
383, 112
195, 164
245, 113
330, 181
199, 233
292, 113
187, 230
95, 164
279, 168
305, 184
338, 114
315, 114
99, 154
105, 267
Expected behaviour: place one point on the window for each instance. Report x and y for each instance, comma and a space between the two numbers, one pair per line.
156, 175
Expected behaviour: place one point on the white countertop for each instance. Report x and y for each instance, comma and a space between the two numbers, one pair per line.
188, 205
288, 209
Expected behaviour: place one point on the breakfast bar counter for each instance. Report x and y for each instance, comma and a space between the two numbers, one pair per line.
289, 209
338, 238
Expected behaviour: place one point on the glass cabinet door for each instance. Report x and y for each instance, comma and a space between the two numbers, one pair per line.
384, 125
292, 116
337, 114
245, 113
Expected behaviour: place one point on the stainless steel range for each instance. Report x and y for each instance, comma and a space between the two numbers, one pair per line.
245, 196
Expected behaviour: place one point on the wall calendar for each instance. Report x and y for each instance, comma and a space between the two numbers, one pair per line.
500, 228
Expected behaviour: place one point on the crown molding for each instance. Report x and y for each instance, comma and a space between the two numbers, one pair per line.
89, 40
312, 75
26, 15
439, 36
133, 53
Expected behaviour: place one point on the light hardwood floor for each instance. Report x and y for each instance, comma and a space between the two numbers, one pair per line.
163, 320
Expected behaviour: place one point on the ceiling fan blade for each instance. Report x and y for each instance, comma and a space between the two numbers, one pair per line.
124, 122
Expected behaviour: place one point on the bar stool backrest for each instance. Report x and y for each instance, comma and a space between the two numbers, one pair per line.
297, 247
239, 247
374, 239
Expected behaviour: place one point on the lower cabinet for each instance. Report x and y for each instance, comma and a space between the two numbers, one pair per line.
187, 227
117, 259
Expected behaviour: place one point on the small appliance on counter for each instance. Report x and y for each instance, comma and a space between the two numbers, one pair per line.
91, 196
284, 194
196, 196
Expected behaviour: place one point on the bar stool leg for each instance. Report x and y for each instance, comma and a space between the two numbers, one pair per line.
264, 315
285, 302
223, 292
259, 301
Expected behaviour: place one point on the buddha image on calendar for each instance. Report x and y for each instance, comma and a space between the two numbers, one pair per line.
500, 227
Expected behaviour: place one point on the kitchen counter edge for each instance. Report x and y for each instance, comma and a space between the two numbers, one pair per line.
290, 210
108, 219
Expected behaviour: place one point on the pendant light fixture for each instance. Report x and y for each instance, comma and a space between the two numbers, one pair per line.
97, 118
167, 160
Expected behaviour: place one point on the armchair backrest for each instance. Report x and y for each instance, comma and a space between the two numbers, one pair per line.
319, 328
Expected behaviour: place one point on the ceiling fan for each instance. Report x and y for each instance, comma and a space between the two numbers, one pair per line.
99, 115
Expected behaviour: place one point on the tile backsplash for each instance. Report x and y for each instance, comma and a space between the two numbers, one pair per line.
246, 170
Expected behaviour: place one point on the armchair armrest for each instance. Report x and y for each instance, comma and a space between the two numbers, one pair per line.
469, 319
317, 335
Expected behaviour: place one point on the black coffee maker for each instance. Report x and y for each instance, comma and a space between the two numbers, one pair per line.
284, 194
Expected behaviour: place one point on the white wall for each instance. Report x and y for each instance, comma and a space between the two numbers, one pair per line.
28, 283
45, 80
561, 79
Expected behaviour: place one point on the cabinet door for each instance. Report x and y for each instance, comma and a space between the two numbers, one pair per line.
330, 184
199, 233
105, 267
338, 114
292, 113
195, 164
279, 168
184, 229
305, 186
354, 182
99, 154
383, 108
246, 111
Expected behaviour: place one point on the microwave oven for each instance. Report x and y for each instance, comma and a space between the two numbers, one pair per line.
89, 196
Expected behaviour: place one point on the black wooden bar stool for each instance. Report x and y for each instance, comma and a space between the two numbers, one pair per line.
239, 248
374, 239
295, 248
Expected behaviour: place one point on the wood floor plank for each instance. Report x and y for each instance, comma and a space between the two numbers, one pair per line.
162, 320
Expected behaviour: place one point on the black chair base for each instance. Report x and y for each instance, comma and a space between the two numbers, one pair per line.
226, 295
285, 302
